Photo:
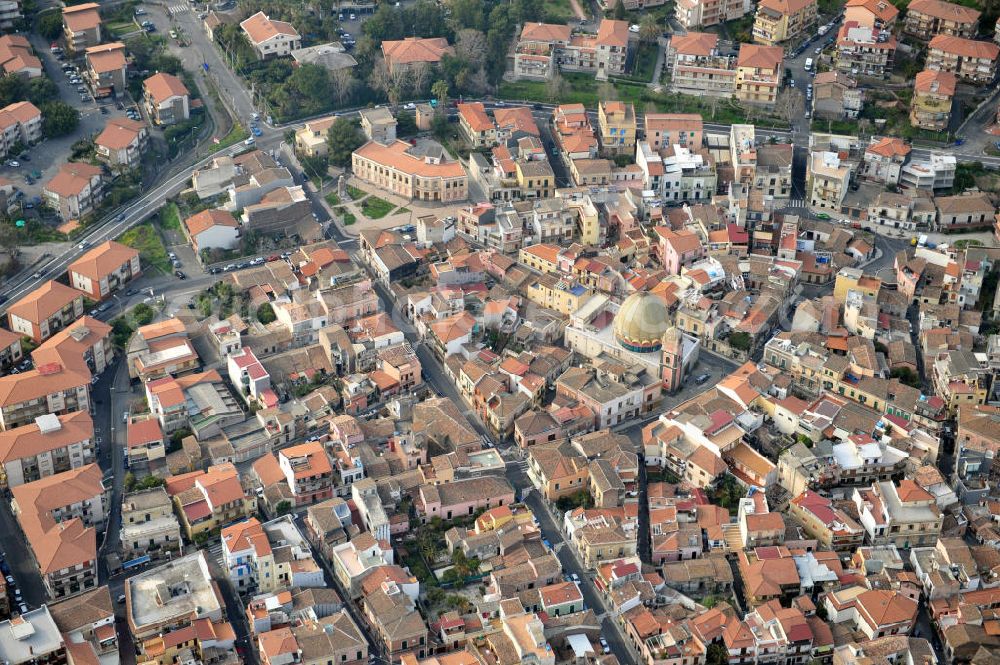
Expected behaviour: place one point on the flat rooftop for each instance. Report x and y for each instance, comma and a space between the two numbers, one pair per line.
175, 589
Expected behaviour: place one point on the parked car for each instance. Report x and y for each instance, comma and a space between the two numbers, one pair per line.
605, 647
179, 275
256, 131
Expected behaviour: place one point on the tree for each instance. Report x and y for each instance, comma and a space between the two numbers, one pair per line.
467, 13
12, 89
129, 481
649, 31
343, 84
740, 340
620, 13
419, 78
283, 507
556, 87
41, 90
343, 138
717, 654
470, 45
265, 314
440, 92
788, 105
49, 25
907, 376
143, 314
10, 238
58, 119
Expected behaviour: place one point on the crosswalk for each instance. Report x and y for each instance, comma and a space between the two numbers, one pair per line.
796, 203
178, 9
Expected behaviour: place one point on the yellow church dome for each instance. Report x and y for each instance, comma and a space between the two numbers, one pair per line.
640, 323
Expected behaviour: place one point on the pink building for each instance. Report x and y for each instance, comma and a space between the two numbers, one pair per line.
460, 498
678, 248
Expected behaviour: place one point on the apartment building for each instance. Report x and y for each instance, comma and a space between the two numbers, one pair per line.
50, 445
864, 50
148, 522
423, 172
205, 500
926, 19
20, 125
122, 143
265, 558
476, 124
874, 613
10, 348
106, 65
58, 515
166, 99
145, 443
778, 21
758, 74
831, 526
199, 402
270, 38
697, 67
76, 190
45, 311
82, 26
703, 13
16, 54
903, 515
880, 14
311, 138
667, 129
836, 96
105, 269
677, 173
308, 471
539, 48
49, 389
969, 60
545, 48
827, 180
933, 93
616, 121
379, 125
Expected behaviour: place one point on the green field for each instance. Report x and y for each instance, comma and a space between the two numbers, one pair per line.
236, 134
559, 11
146, 239
170, 217
375, 208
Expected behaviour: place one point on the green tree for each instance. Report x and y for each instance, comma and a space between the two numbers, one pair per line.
467, 13
343, 138
129, 482
41, 90
717, 654
907, 376
58, 119
12, 89
121, 331
740, 340
143, 314
283, 507
440, 92
620, 13
49, 24
649, 30
149, 482
265, 314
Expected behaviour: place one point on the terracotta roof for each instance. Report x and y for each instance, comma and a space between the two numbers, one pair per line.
29, 440
941, 83
694, 43
72, 179
276, 643
71, 346
103, 259
162, 86
398, 156
516, 118
943, 10
119, 133
612, 33
560, 593
82, 17
44, 301
967, 48
785, 7
317, 461
760, 57
880, 9
910, 491
545, 32
415, 49
259, 28
19, 112
144, 432
106, 57
206, 219
474, 114
890, 146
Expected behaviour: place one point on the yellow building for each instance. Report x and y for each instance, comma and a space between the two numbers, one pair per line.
588, 220
617, 124
758, 74
557, 294
535, 178
780, 20
206, 500
853, 279
543, 257
311, 139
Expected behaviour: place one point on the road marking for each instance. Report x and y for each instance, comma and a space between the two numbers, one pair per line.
177, 9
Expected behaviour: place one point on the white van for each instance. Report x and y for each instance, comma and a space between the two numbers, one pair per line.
809, 64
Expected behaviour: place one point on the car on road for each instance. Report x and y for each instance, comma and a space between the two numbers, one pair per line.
23, 608
37, 274
822, 215
121, 599
125, 417
13, 163
25, 157
702, 378
83, 245
10, 580
249, 141
214, 271
605, 647
231, 266
352, 17
410, 106
179, 275
256, 131
173, 34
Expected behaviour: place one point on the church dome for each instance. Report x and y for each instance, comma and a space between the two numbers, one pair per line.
641, 322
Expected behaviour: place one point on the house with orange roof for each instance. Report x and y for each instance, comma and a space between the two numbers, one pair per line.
904, 515
58, 515
308, 472
85, 343
16, 56
827, 523
477, 125
616, 121
82, 26
873, 612
758, 72
105, 269
265, 558
311, 138
205, 500
166, 98
933, 93
20, 124
423, 172
447, 336
122, 142
884, 158
76, 190
45, 311
778, 21
970, 60
538, 49
561, 598
161, 349
879, 14
677, 249
106, 64
49, 445
768, 573
864, 50
215, 228
270, 38
926, 19
411, 51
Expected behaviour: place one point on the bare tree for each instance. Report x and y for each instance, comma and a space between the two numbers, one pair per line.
379, 78
556, 87
478, 83
788, 105
343, 84
420, 77
606, 91
470, 45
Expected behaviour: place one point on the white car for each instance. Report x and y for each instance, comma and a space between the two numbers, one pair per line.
634, 28
173, 34
605, 647
410, 106
249, 141
352, 17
